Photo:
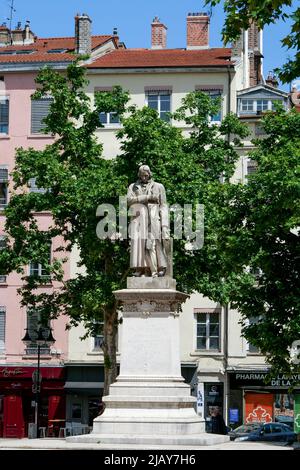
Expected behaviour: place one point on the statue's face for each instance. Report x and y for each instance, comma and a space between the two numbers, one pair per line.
144, 176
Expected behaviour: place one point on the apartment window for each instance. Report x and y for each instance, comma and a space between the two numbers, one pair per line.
2, 329
2, 247
33, 188
262, 105
109, 118
247, 105
38, 269
208, 331
39, 111
33, 325
257, 105
214, 95
251, 348
213, 92
3, 187
251, 167
160, 100
98, 339
4, 114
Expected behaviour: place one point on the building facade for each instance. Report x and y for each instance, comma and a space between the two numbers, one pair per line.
222, 368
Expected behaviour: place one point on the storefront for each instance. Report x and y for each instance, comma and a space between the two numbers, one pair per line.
84, 390
254, 398
17, 398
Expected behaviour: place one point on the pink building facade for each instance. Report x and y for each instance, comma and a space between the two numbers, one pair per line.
21, 126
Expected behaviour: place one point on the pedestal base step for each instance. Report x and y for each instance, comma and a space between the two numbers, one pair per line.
203, 439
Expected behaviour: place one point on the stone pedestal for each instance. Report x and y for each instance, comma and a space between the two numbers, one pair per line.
150, 403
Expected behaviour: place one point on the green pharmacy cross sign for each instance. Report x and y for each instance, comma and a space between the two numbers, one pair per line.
297, 413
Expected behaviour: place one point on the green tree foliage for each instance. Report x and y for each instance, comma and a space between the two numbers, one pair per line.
259, 237
76, 179
240, 14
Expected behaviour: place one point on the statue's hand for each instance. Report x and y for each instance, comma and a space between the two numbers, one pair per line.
153, 199
165, 233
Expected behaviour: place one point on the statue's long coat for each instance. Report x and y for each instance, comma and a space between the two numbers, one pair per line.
147, 220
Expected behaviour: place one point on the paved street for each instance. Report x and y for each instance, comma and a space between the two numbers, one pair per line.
62, 444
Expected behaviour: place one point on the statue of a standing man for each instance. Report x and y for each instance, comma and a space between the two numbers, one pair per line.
149, 225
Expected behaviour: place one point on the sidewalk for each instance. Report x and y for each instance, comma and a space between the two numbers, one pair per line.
62, 444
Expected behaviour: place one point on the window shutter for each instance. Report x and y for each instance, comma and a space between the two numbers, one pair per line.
2, 328
4, 113
3, 175
32, 323
2, 242
39, 110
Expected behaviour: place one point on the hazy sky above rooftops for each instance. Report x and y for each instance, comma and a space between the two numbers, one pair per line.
133, 18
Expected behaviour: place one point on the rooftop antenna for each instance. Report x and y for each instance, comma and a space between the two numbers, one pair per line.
12, 11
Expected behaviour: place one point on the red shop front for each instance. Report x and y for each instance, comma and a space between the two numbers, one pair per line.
17, 398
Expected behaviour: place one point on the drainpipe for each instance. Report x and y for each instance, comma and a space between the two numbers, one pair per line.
225, 362
226, 306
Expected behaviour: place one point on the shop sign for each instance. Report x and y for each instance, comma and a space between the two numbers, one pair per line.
260, 378
214, 391
297, 413
15, 372
233, 415
26, 372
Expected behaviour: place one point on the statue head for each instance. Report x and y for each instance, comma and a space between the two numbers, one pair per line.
144, 173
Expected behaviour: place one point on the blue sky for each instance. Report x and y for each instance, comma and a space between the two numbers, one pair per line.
132, 18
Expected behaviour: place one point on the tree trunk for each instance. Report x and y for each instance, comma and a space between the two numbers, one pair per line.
110, 347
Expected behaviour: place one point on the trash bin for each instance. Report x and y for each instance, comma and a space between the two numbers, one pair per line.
32, 431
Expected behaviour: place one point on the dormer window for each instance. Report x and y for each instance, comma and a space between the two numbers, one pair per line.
257, 105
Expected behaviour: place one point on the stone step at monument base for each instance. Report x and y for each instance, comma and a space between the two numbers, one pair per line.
201, 439
144, 388
182, 422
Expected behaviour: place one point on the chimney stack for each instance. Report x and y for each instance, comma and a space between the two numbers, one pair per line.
255, 54
271, 80
4, 35
158, 34
197, 25
83, 41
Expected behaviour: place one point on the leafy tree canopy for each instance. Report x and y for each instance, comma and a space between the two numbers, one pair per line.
77, 177
240, 14
260, 241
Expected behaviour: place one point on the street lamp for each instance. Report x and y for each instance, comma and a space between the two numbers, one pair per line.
44, 338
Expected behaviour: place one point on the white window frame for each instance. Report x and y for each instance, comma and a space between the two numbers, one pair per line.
216, 94
6, 99
108, 122
250, 164
256, 351
159, 93
40, 268
208, 313
33, 188
98, 338
255, 110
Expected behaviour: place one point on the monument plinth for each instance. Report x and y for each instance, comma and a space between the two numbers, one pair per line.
149, 403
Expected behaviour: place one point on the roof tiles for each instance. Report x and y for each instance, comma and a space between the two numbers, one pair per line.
134, 58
